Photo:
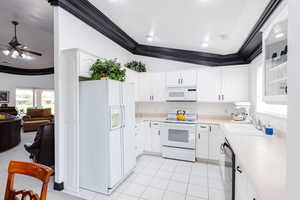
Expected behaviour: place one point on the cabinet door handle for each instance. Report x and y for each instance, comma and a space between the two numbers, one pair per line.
222, 97
199, 136
158, 132
222, 151
239, 169
219, 97
152, 98
181, 81
178, 81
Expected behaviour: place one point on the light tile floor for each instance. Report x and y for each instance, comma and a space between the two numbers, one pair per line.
155, 178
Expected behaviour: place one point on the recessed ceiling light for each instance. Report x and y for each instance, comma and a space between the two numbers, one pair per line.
279, 35
224, 36
149, 38
204, 44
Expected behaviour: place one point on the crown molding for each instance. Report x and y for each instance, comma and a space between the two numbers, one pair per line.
194, 57
92, 16
252, 46
22, 71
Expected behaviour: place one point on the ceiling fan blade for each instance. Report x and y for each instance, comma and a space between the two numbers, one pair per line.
4, 46
31, 52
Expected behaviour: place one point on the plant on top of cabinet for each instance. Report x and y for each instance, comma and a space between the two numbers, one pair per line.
136, 66
104, 68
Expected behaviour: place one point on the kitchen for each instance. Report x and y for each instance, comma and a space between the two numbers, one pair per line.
219, 105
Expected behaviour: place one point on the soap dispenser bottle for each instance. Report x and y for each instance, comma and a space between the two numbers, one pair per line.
269, 130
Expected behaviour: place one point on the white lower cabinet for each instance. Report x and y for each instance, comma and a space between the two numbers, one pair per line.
244, 189
202, 139
216, 139
139, 139
155, 137
149, 139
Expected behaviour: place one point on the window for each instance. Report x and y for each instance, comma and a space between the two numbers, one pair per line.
24, 99
263, 107
30, 97
48, 99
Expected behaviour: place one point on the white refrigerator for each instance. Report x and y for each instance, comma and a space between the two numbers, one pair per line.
106, 141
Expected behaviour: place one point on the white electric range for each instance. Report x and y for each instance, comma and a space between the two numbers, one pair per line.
178, 138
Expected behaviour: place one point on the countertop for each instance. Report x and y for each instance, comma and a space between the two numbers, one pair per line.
199, 121
264, 160
262, 157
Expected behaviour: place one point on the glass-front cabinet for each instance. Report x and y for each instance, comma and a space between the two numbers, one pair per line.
275, 49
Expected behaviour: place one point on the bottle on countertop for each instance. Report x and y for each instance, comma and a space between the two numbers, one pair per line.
269, 130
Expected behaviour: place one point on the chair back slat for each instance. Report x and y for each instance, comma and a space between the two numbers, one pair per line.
34, 170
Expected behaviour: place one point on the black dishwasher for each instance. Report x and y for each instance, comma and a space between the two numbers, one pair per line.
229, 173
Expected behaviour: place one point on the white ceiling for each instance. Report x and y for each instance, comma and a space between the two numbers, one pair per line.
186, 24
35, 30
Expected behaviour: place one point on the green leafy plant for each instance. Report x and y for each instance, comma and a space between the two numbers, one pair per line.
136, 66
104, 68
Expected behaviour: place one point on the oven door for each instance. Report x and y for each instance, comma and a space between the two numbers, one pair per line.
178, 135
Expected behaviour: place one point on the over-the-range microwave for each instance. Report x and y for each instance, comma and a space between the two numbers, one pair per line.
181, 94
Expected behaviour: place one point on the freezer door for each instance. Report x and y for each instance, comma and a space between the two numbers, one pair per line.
115, 157
128, 110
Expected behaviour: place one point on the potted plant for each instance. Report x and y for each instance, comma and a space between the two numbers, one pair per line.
107, 69
136, 66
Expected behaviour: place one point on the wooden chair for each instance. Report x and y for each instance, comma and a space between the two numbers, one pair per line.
35, 170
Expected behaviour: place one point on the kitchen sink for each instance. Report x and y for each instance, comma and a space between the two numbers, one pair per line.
242, 129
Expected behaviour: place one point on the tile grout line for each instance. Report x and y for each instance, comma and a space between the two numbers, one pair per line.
169, 180
141, 197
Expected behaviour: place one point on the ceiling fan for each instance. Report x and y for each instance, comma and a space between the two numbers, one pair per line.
15, 49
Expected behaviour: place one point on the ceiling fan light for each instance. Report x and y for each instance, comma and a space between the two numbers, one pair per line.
6, 52
14, 54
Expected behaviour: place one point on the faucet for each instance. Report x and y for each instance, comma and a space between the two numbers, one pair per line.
259, 126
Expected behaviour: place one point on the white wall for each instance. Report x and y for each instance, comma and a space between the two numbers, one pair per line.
163, 65
293, 162
11, 82
73, 33
202, 109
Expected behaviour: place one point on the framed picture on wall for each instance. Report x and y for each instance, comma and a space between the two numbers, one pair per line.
4, 96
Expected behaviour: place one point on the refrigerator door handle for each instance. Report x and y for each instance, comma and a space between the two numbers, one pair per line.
123, 115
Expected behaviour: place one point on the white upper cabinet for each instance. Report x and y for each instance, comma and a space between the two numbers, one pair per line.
189, 78
152, 87
235, 84
181, 78
209, 85
275, 55
173, 78
133, 77
86, 60
223, 85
